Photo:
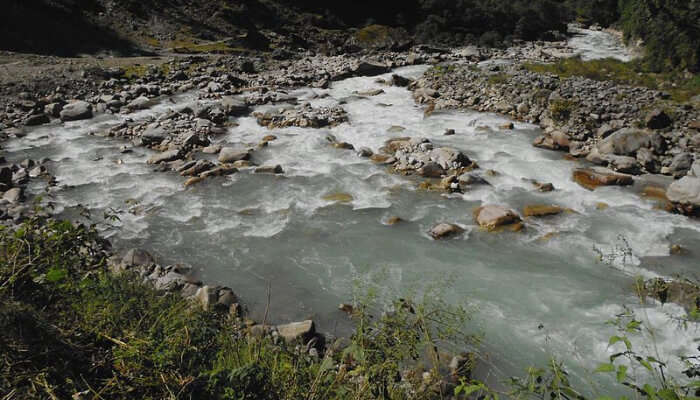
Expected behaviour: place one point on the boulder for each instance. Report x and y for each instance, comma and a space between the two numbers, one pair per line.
37, 119
657, 119
448, 158
137, 258
153, 135
445, 230
431, 170
230, 154
170, 282
166, 156
492, 216
6, 176
624, 142
13, 195
297, 331
207, 296
680, 164
593, 178
269, 169
77, 110
685, 191
234, 106
140, 103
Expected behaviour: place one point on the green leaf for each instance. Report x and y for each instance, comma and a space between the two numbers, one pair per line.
645, 363
56, 275
621, 373
668, 394
605, 368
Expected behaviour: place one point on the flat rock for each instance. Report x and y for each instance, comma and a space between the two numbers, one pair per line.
492, 216
591, 178
166, 156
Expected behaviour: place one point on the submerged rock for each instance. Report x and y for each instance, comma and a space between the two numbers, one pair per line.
541, 210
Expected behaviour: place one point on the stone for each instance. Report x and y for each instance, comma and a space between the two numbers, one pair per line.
234, 106
431, 170
170, 282
541, 210
448, 158
297, 331
206, 296
657, 119
371, 93
269, 169
624, 142
6, 176
685, 191
445, 230
37, 119
75, 111
153, 135
492, 216
592, 178
140, 103
166, 156
398, 80
680, 164
226, 298
230, 154
449, 132
507, 126
624, 164
365, 152
471, 179
13, 195
137, 258
213, 149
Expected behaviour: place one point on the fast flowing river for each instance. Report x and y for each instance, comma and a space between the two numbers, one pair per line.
537, 293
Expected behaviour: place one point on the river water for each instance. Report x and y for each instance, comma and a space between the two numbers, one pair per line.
537, 293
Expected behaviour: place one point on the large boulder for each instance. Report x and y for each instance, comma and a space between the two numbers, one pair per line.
624, 142
685, 194
76, 111
492, 216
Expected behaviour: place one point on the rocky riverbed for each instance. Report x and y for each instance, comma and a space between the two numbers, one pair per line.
318, 173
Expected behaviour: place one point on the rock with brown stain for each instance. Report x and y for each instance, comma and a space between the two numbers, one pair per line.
591, 178
491, 216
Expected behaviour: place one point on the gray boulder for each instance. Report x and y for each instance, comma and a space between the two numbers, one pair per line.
680, 164
297, 331
685, 191
77, 110
624, 142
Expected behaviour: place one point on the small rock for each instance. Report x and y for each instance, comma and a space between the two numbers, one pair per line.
77, 110
445, 230
491, 216
270, 169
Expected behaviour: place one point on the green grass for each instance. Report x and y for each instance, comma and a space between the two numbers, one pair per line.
372, 33
677, 84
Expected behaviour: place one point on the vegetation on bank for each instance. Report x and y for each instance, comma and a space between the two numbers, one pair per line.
681, 86
71, 329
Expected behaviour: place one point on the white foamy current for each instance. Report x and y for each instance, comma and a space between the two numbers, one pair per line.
536, 294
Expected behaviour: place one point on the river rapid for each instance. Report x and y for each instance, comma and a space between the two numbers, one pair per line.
317, 232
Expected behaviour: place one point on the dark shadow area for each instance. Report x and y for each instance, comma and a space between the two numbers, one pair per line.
57, 27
